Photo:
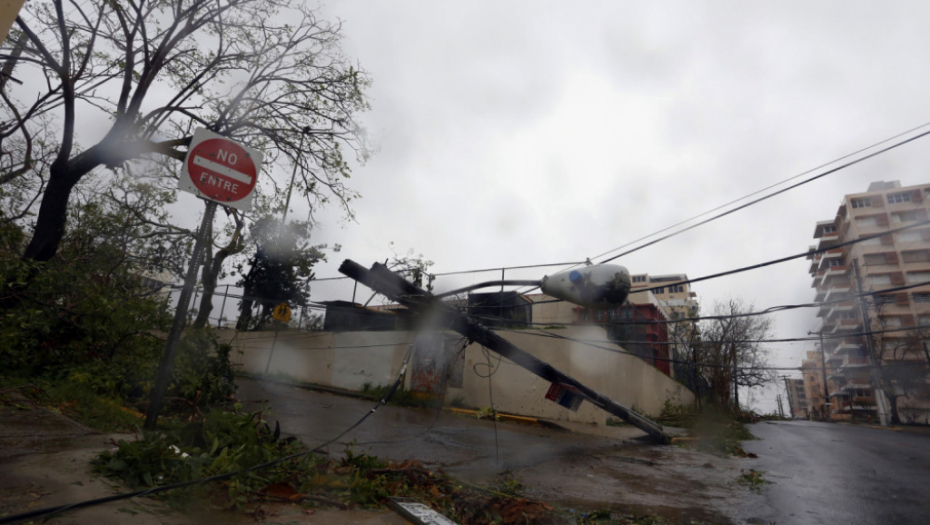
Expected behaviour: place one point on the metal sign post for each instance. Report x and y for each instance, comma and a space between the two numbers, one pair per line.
217, 170
180, 319
280, 314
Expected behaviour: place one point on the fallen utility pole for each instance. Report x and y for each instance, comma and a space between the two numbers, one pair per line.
382, 280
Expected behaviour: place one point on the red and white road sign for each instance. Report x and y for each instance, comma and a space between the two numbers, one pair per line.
218, 169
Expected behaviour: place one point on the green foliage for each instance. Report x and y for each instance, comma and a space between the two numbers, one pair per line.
676, 415
487, 413
87, 308
202, 369
90, 323
508, 486
221, 442
77, 400
754, 479
402, 397
280, 270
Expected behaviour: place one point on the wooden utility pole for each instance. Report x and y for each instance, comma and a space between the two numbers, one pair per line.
788, 393
382, 280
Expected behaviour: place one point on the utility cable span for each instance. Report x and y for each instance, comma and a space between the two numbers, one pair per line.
789, 258
779, 192
767, 311
31, 515
599, 344
746, 341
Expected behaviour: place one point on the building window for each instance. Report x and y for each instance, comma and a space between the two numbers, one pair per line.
836, 261
676, 288
899, 197
867, 222
829, 229
910, 236
845, 315
918, 277
639, 278
862, 203
861, 393
921, 297
871, 242
923, 320
892, 321
905, 216
659, 291
874, 259
884, 299
916, 256
880, 279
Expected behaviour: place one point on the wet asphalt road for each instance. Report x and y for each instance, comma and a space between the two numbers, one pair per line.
571, 469
830, 473
464, 446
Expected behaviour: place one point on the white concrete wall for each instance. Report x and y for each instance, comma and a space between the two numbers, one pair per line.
350, 359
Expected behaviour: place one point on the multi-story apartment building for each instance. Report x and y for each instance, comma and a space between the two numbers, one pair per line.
797, 397
678, 299
894, 359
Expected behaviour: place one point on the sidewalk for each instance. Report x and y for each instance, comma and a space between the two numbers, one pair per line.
45, 461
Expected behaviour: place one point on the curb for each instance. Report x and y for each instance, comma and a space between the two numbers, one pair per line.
501, 416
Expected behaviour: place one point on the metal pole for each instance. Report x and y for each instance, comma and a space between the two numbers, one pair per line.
823, 370
354, 288
301, 320
290, 188
277, 328
180, 319
879, 394
219, 323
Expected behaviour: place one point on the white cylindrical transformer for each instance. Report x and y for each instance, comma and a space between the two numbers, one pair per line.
598, 286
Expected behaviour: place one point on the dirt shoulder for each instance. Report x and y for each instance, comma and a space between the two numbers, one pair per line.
45, 461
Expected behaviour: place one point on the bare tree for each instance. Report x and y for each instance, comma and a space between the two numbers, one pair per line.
899, 356
267, 73
728, 352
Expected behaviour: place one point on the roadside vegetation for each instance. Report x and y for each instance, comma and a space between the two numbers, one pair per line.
225, 441
87, 334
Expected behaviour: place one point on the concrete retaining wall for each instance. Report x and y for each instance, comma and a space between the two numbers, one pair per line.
351, 359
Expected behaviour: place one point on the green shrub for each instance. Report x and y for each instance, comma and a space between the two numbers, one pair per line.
221, 442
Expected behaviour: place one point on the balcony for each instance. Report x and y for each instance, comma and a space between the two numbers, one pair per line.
818, 279
847, 348
854, 362
837, 291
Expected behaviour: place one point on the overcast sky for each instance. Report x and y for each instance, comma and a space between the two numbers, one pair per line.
515, 133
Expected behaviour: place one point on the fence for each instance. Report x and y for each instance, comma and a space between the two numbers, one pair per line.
227, 298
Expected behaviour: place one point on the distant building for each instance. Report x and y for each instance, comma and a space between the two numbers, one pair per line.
896, 360
677, 299
797, 397
812, 376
